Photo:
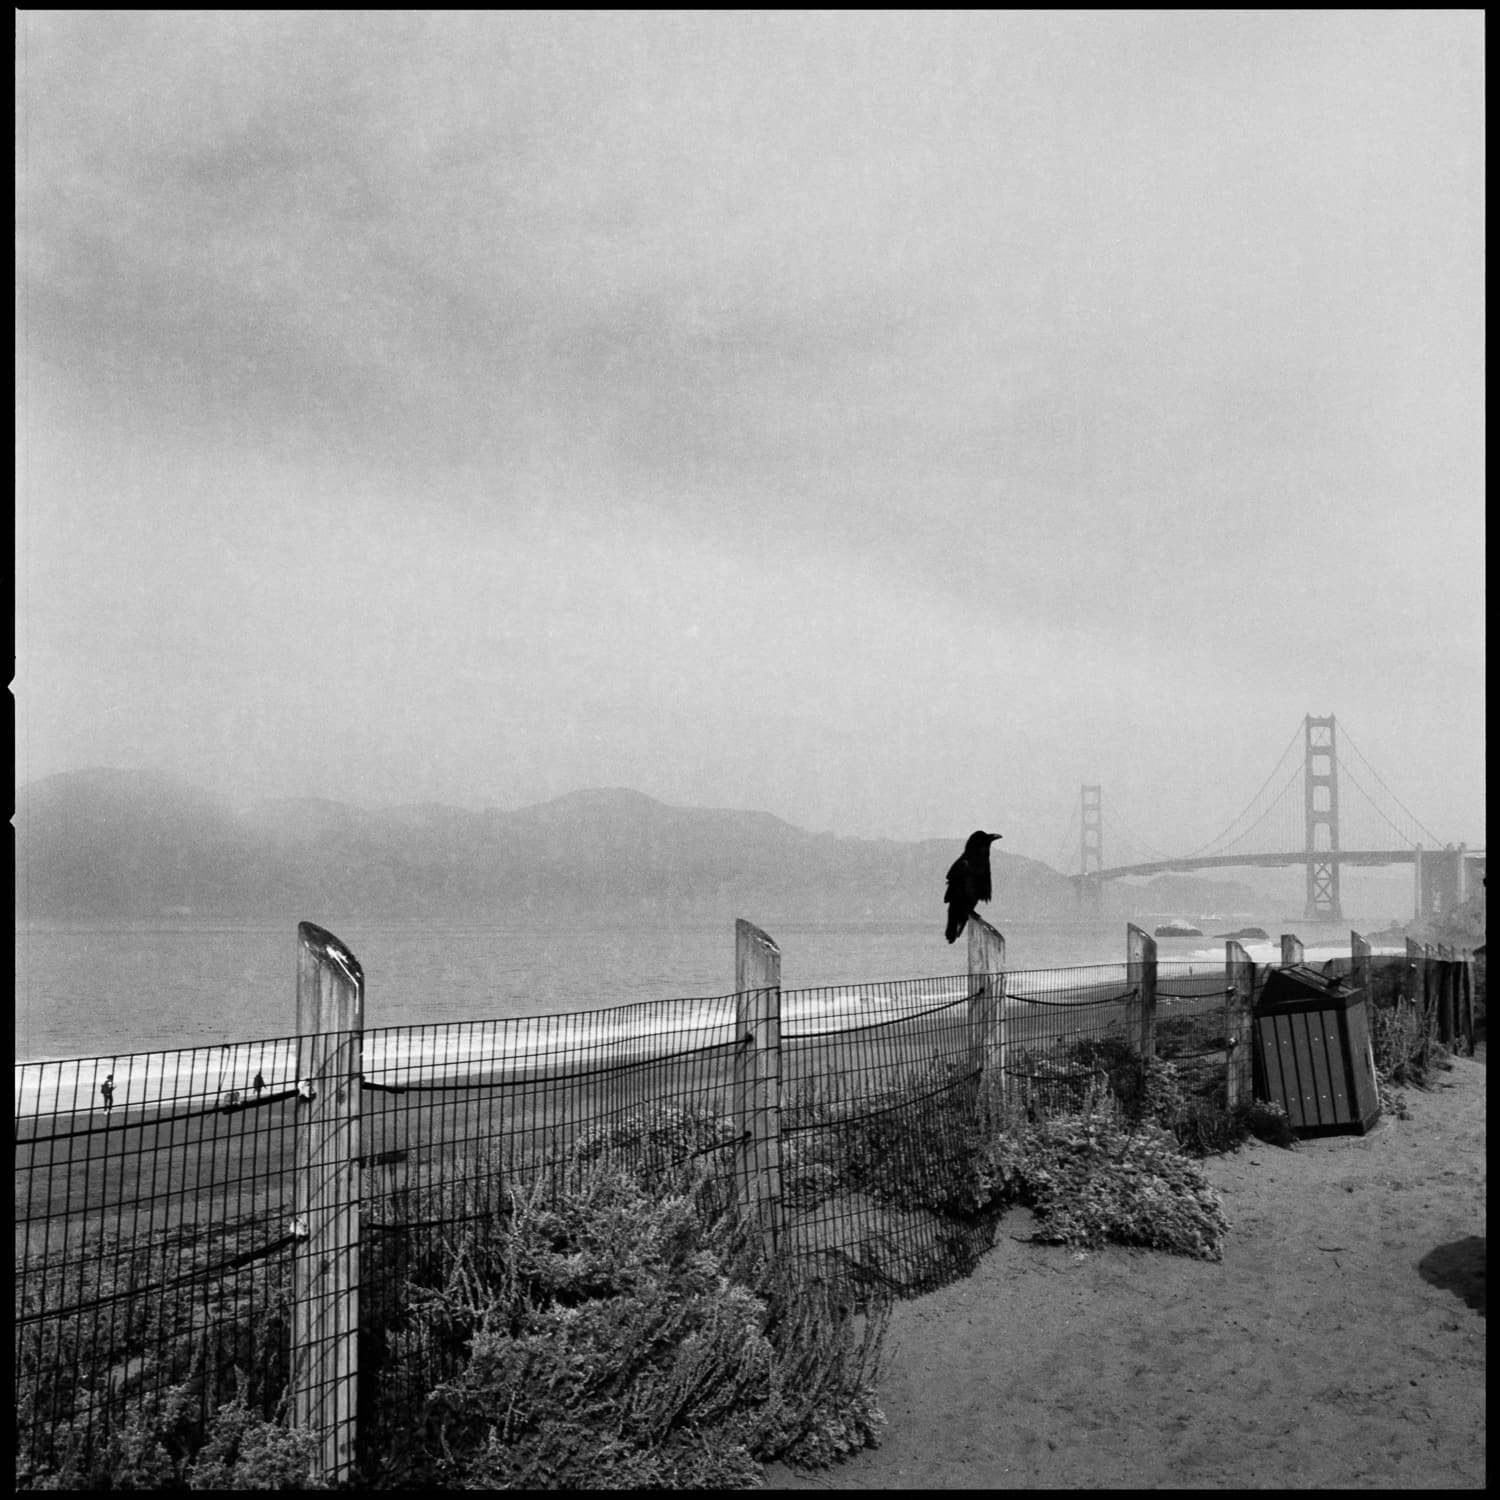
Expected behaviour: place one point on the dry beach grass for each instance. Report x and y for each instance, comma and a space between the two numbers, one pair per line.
1339, 1343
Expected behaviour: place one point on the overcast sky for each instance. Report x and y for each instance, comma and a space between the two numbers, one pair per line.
887, 421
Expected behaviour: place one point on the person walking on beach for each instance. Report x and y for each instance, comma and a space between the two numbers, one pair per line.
259, 1084
107, 1088
968, 881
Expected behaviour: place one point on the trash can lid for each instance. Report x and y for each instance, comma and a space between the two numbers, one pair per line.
1302, 982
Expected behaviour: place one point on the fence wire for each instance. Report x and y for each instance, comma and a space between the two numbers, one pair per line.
878, 1103
152, 1202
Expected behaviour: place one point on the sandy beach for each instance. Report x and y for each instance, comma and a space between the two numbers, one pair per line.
1340, 1343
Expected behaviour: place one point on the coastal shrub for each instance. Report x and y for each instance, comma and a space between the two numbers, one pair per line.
1120, 1063
654, 1141
243, 1451
1205, 1127
1167, 1094
620, 1333
1178, 1034
1091, 1177
1185, 1096
1054, 1080
1268, 1121
908, 1144
1405, 1044
166, 1443
1090, 1181
815, 1117
809, 1169
130, 1342
1198, 1115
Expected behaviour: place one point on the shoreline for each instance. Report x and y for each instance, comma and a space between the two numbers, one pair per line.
531, 1047
140, 991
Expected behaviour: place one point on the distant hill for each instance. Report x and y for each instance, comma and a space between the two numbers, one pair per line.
126, 844
130, 844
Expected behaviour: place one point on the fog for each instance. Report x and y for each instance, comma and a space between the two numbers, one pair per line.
887, 421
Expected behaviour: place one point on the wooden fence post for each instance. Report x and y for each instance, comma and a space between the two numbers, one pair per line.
1455, 994
1414, 981
1362, 977
1362, 970
1417, 984
1446, 997
1470, 984
1239, 1025
1140, 975
987, 1017
325, 1261
1291, 949
1466, 1000
1412, 977
757, 1077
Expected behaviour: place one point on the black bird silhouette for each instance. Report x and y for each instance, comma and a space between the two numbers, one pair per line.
968, 881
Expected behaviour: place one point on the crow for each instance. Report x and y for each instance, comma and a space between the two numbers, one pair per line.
968, 881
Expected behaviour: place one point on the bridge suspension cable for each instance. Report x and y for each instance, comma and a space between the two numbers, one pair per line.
1132, 839
1404, 835
1222, 836
1275, 802
1349, 741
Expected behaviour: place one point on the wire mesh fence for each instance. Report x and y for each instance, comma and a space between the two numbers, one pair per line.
460, 1119
157, 1219
156, 1201
880, 1095
151, 1226
1061, 1027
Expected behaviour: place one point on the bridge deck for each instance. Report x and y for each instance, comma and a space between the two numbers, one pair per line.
1295, 857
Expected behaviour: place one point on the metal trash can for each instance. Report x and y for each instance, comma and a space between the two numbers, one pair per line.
1313, 1054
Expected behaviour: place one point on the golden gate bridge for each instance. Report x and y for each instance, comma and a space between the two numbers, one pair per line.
1320, 799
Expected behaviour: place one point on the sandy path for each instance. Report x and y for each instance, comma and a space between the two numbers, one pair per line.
1339, 1343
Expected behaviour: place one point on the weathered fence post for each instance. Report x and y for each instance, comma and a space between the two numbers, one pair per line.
1362, 970
1239, 1025
1140, 975
1453, 994
1415, 985
1466, 1000
1447, 999
987, 1017
757, 1077
1291, 949
1362, 977
325, 1260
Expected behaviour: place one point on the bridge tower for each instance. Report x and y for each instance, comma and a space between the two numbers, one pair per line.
1442, 880
1320, 804
1091, 849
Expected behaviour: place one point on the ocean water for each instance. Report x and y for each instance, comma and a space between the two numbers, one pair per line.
105, 989
114, 997
87, 989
